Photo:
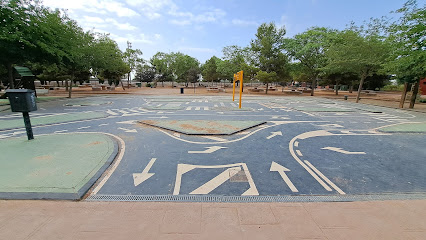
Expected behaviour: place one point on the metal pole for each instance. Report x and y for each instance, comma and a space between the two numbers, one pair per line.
28, 125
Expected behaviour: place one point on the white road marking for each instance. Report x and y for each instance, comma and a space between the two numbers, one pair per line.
159, 117
325, 178
128, 130
215, 138
216, 181
208, 150
83, 127
341, 150
279, 133
331, 125
206, 108
222, 104
128, 122
197, 108
188, 108
299, 153
139, 178
123, 112
184, 168
103, 124
61, 131
296, 144
275, 167
176, 135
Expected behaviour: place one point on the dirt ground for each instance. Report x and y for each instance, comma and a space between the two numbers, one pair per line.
388, 99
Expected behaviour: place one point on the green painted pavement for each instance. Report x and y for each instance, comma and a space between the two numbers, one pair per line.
59, 163
43, 120
4, 102
39, 99
405, 128
319, 109
203, 127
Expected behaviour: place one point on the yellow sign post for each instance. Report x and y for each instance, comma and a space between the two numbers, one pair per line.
238, 77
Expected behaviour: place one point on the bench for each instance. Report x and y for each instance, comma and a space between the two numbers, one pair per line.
96, 89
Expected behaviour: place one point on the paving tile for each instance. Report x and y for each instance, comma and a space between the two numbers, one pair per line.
60, 228
227, 216
214, 231
256, 214
262, 232
186, 219
21, 227
179, 237
296, 222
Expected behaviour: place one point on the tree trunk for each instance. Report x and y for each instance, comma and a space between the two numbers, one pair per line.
66, 85
360, 88
337, 87
70, 89
351, 88
122, 85
128, 80
414, 95
267, 86
313, 86
403, 95
10, 73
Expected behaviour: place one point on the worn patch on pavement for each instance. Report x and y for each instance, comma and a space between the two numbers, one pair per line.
203, 127
405, 128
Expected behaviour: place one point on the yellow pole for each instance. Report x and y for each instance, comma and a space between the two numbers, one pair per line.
241, 86
233, 90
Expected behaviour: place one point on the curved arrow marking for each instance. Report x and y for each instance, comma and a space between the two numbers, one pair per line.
279, 133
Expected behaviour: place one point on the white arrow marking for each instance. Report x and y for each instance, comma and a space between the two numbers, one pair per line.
128, 130
275, 167
159, 117
341, 150
139, 178
208, 150
128, 122
216, 181
279, 133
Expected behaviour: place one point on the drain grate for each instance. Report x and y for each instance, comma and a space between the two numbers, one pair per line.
242, 199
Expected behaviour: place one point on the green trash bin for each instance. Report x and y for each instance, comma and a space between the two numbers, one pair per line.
139, 84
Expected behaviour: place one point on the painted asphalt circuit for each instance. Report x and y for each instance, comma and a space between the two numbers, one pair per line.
315, 152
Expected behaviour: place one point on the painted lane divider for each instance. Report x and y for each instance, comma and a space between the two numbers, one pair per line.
139, 178
279, 133
208, 150
217, 181
159, 117
340, 150
275, 167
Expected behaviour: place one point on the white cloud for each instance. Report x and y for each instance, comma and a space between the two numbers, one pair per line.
244, 23
180, 22
121, 26
139, 38
93, 6
150, 8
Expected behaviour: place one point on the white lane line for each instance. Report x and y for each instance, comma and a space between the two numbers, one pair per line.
103, 124
83, 127
188, 108
124, 112
215, 138
61, 131
325, 178
113, 166
206, 108
296, 144
299, 153
197, 108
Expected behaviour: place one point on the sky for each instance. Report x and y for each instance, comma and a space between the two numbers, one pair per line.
201, 28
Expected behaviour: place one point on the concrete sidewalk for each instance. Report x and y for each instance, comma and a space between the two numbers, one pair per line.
138, 220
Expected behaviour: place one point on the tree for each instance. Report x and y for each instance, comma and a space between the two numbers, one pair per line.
209, 69
408, 57
308, 48
267, 49
132, 59
145, 73
352, 52
161, 62
181, 64
266, 77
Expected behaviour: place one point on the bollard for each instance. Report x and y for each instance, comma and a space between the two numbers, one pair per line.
181, 90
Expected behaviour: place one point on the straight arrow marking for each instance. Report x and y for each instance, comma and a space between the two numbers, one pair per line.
275, 167
128, 130
341, 150
139, 178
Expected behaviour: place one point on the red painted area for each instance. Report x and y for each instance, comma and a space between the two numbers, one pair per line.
422, 86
